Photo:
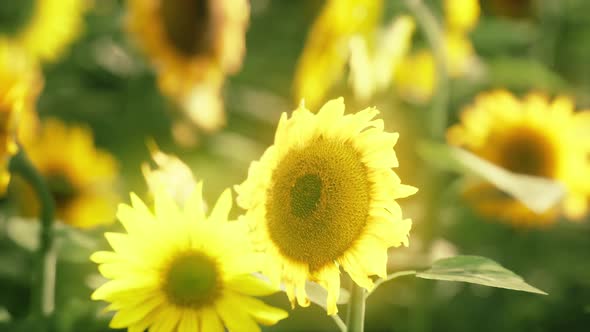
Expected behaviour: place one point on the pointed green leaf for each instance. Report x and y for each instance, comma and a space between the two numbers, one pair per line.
477, 270
537, 193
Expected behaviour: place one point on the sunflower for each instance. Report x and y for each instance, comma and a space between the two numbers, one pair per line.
179, 270
461, 15
326, 50
517, 9
43, 27
534, 136
416, 78
193, 45
323, 196
80, 177
20, 84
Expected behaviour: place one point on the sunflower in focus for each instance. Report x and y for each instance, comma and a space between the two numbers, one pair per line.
326, 50
20, 84
42, 27
193, 45
80, 177
324, 196
534, 136
179, 270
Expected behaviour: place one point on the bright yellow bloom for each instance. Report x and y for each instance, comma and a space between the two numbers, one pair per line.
193, 44
417, 78
327, 50
20, 84
373, 71
47, 27
534, 136
461, 15
324, 196
170, 175
180, 271
80, 177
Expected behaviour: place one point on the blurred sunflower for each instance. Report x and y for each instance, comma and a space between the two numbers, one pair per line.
170, 174
533, 136
179, 270
323, 196
193, 44
20, 84
326, 50
80, 177
511, 8
43, 27
416, 78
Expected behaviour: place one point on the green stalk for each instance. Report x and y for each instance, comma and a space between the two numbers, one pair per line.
428, 23
433, 32
356, 309
43, 283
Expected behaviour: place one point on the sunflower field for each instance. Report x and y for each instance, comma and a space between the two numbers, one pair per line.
311, 165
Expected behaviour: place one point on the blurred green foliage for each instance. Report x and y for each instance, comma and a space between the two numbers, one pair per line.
105, 83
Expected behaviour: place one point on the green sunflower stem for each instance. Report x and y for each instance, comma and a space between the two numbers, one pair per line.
435, 38
433, 31
356, 309
43, 282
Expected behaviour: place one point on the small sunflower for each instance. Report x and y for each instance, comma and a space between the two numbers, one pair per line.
517, 9
323, 196
20, 84
326, 50
43, 27
534, 136
80, 177
417, 74
193, 45
180, 271
461, 15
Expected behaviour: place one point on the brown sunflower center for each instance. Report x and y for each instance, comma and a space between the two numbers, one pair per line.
191, 280
318, 202
511, 8
61, 188
188, 25
527, 151
14, 15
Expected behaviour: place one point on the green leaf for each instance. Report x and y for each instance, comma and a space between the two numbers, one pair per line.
477, 270
537, 193
440, 156
522, 74
73, 245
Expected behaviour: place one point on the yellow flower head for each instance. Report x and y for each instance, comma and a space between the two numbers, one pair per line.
80, 177
179, 270
20, 84
170, 174
461, 15
416, 78
193, 44
372, 72
534, 136
324, 196
43, 27
327, 48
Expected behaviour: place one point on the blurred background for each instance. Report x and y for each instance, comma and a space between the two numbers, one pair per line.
106, 81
